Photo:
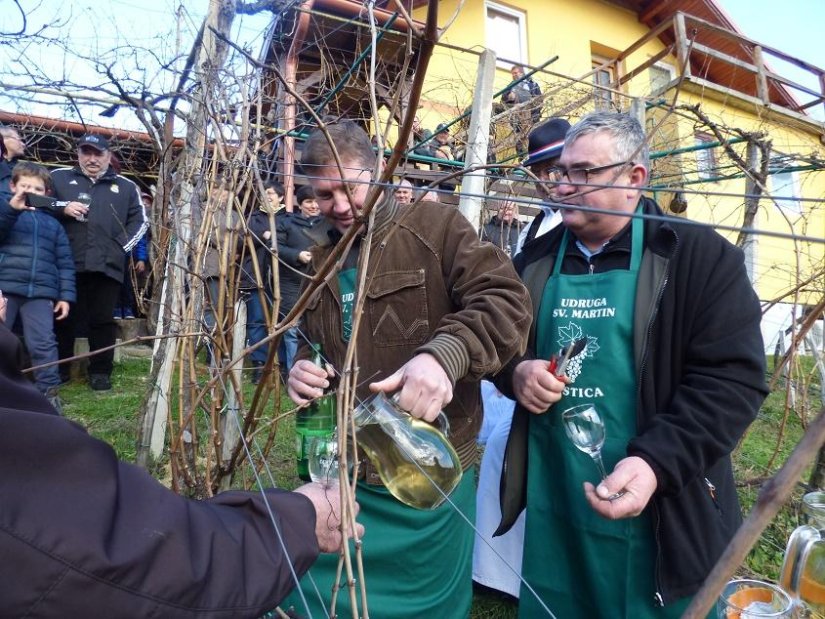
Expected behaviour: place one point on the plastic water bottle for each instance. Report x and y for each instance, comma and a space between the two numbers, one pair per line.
315, 420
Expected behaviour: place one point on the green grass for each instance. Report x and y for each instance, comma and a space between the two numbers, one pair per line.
113, 417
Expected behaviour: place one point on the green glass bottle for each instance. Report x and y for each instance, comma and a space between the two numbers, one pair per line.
317, 419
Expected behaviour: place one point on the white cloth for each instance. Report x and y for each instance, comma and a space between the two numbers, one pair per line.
550, 220
489, 569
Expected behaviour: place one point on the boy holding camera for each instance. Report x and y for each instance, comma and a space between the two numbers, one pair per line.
36, 270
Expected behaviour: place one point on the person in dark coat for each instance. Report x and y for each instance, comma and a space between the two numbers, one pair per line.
256, 276
669, 353
101, 233
36, 272
521, 91
294, 244
12, 149
543, 151
85, 535
504, 228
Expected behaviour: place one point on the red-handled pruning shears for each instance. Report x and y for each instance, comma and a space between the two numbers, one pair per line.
559, 367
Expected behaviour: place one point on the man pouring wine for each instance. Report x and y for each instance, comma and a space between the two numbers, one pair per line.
441, 310
673, 369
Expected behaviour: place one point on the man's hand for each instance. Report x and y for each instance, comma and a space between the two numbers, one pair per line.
425, 387
535, 387
61, 310
140, 267
327, 503
18, 202
307, 381
78, 210
305, 257
631, 475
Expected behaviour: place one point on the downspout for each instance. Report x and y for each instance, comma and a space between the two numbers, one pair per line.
290, 77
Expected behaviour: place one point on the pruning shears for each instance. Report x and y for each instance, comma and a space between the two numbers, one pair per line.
558, 363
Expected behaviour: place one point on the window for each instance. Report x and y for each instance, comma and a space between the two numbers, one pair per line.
705, 157
603, 99
785, 191
506, 34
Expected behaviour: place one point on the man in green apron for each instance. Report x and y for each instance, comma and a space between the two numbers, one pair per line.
669, 355
441, 310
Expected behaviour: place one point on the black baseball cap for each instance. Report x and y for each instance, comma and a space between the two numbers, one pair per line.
97, 142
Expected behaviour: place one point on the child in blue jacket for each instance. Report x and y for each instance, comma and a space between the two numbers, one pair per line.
36, 271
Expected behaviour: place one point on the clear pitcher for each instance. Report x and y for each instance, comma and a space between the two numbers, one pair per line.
416, 462
803, 569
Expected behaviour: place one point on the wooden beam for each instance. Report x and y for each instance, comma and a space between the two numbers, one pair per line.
681, 43
738, 38
655, 32
762, 90
713, 53
647, 64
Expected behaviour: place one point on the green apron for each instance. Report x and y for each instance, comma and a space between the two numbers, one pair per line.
346, 285
579, 563
417, 563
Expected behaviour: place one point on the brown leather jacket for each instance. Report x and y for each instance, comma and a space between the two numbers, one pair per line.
432, 287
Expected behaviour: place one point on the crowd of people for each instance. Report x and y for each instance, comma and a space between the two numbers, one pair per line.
657, 319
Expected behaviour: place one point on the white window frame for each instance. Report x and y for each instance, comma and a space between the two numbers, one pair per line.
602, 99
706, 160
790, 188
521, 18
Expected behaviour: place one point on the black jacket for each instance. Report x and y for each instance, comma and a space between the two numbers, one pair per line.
84, 535
116, 220
257, 225
501, 234
5, 179
701, 380
293, 238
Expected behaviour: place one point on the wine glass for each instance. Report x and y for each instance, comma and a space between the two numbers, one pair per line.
585, 429
322, 457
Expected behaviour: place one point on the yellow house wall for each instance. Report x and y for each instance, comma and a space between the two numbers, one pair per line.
780, 264
569, 28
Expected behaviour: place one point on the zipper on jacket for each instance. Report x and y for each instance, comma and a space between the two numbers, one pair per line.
660, 293
712, 492
657, 600
35, 251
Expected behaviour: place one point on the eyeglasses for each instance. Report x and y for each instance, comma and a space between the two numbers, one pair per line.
577, 176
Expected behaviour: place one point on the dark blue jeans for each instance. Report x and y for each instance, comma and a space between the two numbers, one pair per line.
37, 316
256, 325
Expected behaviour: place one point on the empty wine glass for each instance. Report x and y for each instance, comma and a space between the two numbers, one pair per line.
585, 429
322, 456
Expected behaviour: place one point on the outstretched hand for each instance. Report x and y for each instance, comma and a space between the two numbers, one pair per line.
327, 503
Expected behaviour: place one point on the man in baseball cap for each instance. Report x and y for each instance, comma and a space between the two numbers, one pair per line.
104, 220
543, 151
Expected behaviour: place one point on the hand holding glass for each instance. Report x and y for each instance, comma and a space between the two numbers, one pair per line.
86, 200
585, 429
